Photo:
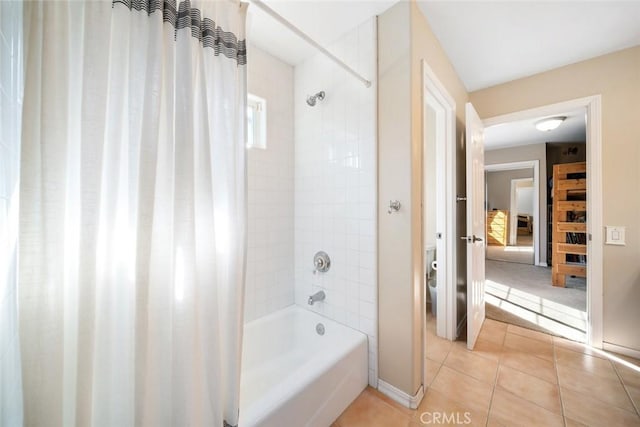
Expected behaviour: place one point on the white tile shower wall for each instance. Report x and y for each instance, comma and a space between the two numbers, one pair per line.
10, 113
335, 185
269, 284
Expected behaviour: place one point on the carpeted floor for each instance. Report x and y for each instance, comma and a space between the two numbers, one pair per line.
537, 281
528, 288
522, 253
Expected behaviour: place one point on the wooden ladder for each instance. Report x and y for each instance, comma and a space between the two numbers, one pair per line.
565, 193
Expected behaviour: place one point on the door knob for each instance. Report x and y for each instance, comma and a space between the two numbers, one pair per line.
471, 239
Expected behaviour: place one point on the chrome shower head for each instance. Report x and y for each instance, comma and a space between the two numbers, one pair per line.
311, 100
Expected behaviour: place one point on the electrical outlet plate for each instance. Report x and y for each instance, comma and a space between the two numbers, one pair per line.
615, 235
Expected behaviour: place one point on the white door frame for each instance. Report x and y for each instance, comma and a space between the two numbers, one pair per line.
593, 106
527, 164
435, 94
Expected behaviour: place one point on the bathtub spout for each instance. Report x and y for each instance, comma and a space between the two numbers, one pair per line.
318, 296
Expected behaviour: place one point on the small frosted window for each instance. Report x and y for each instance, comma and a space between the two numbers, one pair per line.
256, 122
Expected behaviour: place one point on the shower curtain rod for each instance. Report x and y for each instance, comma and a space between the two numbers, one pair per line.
309, 40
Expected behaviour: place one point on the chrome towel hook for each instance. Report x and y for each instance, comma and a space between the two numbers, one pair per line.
394, 206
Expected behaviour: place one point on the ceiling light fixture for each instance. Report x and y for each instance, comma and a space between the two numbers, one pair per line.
550, 123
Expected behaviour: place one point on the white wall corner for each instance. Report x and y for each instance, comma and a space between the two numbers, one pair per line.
400, 396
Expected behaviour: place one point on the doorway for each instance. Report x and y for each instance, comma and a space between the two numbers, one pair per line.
438, 213
513, 211
522, 213
587, 324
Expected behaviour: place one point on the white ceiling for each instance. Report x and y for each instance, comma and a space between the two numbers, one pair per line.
524, 132
494, 42
488, 42
323, 20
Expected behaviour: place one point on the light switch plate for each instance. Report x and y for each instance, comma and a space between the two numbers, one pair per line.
615, 235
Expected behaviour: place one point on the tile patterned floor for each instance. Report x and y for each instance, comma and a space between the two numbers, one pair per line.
514, 377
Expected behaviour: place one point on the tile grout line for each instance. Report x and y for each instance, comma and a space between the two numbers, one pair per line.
455, 399
437, 372
575, 350
602, 378
531, 337
530, 401
633, 404
626, 390
555, 368
389, 405
453, 368
495, 382
527, 373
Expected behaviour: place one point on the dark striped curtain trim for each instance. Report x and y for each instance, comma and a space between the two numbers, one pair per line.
204, 29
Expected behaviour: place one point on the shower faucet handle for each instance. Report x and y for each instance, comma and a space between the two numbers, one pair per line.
321, 262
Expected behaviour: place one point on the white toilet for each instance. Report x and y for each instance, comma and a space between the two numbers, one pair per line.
431, 267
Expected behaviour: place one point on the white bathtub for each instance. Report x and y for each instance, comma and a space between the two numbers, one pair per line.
292, 376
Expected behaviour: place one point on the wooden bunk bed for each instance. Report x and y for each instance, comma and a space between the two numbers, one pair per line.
569, 222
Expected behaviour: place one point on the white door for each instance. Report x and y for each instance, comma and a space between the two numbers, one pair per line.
475, 225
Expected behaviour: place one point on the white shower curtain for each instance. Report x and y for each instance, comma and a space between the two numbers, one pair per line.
132, 212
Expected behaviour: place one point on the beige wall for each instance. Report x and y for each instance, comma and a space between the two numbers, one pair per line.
404, 39
617, 78
395, 291
499, 187
425, 46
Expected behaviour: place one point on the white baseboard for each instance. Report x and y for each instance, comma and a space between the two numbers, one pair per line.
400, 396
621, 350
542, 264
